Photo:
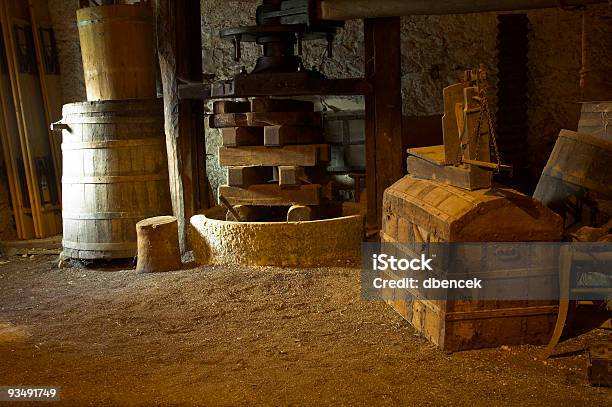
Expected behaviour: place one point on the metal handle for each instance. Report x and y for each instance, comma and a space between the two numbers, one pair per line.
60, 126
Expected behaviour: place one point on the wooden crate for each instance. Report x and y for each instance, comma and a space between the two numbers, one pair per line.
416, 210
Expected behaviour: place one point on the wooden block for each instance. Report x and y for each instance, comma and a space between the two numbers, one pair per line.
271, 195
433, 154
305, 156
242, 136
290, 175
245, 176
278, 136
262, 119
599, 367
299, 213
228, 106
452, 95
460, 177
222, 120
158, 245
260, 105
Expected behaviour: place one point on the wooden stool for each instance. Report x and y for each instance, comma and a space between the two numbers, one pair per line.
158, 246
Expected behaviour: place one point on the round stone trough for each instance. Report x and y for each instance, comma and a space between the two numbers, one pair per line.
326, 242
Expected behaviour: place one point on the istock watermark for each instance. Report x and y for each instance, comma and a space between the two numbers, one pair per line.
485, 271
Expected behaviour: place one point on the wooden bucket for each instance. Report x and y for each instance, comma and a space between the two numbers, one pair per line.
115, 174
579, 161
118, 51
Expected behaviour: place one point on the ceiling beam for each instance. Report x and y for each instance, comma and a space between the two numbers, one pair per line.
358, 9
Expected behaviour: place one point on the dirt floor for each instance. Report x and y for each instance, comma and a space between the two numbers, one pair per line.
237, 336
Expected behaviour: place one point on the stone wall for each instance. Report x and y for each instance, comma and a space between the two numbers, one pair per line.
435, 51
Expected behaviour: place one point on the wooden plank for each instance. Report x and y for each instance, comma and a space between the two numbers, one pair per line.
278, 136
356, 9
48, 108
433, 154
271, 195
290, 175
262, 105
228, 106
276, 84
265, 119
460, 177
222, 120
242, 136
452, 95
384, 162
180, 54
245, 176
22, 121
305, 156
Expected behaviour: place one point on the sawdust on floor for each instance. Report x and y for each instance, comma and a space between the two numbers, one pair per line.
247, 336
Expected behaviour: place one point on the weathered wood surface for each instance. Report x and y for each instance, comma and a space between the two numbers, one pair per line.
265, 119
271, 195
115, 174
305, 156
118, 51
242, 136
452, 95
261, 105
459, 215
277, 84
278, 136
359, 9
228, 106
595, 119
599, 365
427, 211
245, 176
384, 157
158, 245
428, 163
578, 160
178, 22
290, 175
457, 176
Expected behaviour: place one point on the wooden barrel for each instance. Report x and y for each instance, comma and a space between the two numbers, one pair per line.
118, 51
115, 174
595, 119
579, 161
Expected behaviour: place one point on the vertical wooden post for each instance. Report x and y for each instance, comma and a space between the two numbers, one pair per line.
383, 109
180, 56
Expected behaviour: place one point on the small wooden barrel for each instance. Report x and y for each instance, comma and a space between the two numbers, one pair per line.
118, 51
578, 161
115, 174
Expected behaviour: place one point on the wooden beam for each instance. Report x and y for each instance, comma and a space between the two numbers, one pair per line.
262, 119
242, 136
384, 162
261, 105
358, 9
179, 37
277, 84
272, 195
290, 175
278, 136
245, 176
306, 156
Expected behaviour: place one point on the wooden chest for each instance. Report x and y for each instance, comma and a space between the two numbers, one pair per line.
417, 210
